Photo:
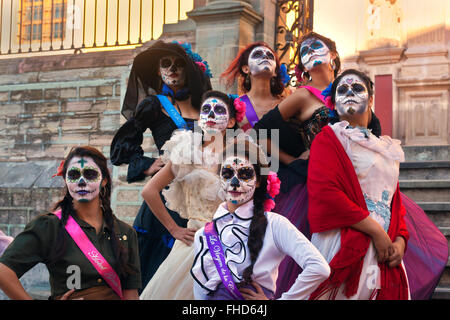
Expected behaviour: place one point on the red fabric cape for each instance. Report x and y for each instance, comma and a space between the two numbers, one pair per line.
336, 201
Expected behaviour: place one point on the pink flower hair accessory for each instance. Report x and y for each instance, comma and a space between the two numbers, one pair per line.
240, 108
201, 65
273, 189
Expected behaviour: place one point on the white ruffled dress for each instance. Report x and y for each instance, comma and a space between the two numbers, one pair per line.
376, 162
194, 194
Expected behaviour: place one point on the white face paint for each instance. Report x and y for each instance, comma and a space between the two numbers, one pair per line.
83, 179
314, 52
214, 116
262, 61
351, 95
238, 179
172, 69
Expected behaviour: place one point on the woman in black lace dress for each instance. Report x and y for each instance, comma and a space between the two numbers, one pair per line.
177, 79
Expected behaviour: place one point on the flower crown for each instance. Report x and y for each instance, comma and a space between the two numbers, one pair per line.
239, 106
203, 64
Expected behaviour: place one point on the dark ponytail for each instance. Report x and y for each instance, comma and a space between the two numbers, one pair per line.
258, 227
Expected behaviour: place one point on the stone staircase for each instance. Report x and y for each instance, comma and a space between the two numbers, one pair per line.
425, 178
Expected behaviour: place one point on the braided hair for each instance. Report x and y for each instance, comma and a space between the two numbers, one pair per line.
258, 223
67, 209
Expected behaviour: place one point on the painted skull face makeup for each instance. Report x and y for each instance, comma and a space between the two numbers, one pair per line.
172, 69
351, 95
214, 116
262, 61
238, 179
83, 179
314, 52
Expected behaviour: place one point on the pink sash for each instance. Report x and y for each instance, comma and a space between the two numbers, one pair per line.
92, 254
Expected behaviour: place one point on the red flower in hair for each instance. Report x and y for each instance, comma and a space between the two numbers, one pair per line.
59, 171
273, 189
240, 107
201, 65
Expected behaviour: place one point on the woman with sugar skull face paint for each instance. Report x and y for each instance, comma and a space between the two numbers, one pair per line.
237, 254
426, 257
260, 78
189, 184
164, 92
82, 226
355, 205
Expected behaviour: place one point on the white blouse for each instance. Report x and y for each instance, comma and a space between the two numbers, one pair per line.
281, 238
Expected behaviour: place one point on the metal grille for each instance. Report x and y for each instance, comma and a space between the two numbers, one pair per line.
295, 18
49, 25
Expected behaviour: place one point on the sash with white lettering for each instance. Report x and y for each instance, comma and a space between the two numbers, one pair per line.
92, 254
218, 256
172, 112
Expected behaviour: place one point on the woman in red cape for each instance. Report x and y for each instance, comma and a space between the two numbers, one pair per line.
355, 211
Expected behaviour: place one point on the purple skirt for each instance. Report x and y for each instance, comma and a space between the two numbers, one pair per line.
425, 258
426, 254
222, 293
294, 206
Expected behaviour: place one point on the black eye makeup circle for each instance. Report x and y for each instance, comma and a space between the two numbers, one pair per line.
227, 173
358, 88
206, 108
246, 173
165, 63
220, 109
73, 174
89, 174
342, 89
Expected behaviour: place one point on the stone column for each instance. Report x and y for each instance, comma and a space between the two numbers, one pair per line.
223, 27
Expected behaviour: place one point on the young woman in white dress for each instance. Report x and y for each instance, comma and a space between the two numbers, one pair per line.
190, 186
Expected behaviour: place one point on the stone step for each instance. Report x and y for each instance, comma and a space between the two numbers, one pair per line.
426, 153
425, 170
426, 190
438, 212
441, 293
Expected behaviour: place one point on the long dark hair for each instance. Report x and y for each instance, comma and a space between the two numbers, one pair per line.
67, 209
234, 70
258, 225
330, 44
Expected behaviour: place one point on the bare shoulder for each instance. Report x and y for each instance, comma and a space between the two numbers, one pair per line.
294, 103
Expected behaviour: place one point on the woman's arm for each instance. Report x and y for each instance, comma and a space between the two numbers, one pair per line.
151, 195
380, 238
293, 243
131, 294
10, 284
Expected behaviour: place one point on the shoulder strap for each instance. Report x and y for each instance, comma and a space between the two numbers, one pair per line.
92, 254
315, 92
172, 112
218, 256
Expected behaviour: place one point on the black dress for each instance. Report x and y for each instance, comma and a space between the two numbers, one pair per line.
291, 142
155, 242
